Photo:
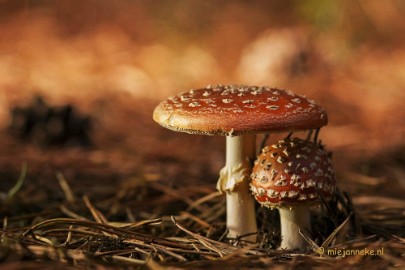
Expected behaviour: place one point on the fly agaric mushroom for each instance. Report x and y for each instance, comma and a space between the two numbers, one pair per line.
238, 112
291, 175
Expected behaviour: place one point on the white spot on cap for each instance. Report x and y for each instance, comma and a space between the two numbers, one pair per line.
310, 183
267, 167
194, 104
280, 160
289, 106
295, 177
272, 107
227, 100
272, 193
184, 98
280, 183
313, 195
296, 100
290, 93
273, 173
292, 193
248, 101
300, 185
302, 197
283, 194
264, 179
253, 189
292, 144
206, 93
272, 99
295, 180
318, 173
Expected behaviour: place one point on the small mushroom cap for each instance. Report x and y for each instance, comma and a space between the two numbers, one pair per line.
292, 171
234, 110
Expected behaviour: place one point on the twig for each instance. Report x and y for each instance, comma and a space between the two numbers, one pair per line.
329, 239
66, 188
203, 200
95, 213
19, 183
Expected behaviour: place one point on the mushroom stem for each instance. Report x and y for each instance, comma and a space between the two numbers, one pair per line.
234, 180
292, 220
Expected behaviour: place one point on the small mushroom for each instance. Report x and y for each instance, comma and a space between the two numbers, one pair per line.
238, 112
299, 183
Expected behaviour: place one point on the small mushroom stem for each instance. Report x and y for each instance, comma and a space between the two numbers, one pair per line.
294, 219
234, 180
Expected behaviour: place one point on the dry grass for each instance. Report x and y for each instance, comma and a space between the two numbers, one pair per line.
159, 223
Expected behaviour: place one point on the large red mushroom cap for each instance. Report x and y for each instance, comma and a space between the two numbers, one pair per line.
238, 109
292, 171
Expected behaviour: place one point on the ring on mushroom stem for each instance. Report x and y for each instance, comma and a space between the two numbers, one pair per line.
238, 112
291, 175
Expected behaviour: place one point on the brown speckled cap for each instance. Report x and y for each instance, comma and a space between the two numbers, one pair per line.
292, 171
238, 109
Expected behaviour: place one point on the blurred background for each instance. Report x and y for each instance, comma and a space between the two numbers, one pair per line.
107, 64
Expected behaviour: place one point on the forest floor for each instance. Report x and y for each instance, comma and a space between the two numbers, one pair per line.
148, 200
